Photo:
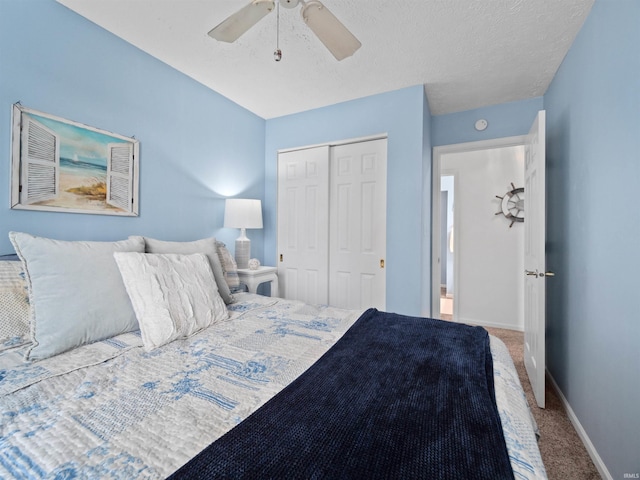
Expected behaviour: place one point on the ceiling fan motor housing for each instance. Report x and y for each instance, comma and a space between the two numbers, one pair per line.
289, 3
324, 24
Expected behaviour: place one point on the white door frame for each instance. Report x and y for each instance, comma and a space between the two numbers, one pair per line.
438, 152
455, 173
335, 143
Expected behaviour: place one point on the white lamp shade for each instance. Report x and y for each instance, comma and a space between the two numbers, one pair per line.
242, 213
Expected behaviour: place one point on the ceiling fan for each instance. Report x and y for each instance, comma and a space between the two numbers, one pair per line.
335, 36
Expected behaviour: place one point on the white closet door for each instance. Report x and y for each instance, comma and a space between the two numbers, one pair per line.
358, 224
303, 218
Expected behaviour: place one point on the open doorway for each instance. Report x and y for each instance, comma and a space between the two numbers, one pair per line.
447, 272
478, 255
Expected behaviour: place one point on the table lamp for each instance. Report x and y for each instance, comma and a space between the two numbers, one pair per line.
242, 213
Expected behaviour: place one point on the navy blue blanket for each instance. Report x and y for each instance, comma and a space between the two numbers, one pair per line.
396, 397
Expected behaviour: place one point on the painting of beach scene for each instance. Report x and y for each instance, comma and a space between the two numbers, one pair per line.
60, 165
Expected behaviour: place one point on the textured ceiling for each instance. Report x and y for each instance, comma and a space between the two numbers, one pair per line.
467, 53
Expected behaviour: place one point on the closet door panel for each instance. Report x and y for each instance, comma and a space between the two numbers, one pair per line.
303, 219
357, 225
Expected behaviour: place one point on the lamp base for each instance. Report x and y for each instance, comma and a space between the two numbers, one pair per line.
243, 252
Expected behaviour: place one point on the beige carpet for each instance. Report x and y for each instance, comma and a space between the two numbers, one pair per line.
563, 453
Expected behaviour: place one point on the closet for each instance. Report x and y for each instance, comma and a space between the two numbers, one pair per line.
332, 224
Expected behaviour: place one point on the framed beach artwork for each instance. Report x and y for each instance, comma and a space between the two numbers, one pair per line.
63, 166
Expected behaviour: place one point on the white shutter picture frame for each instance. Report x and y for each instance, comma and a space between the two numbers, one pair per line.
40, 162
119, 174
59, 165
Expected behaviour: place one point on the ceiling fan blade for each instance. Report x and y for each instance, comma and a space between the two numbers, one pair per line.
335, 36
234, 26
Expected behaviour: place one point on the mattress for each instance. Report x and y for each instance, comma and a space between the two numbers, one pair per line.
112, 410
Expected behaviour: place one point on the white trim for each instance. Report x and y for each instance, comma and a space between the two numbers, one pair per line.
591, 450
15, 155
38, 113
470, 321
455, 173
480, 145
379, 136
436, 179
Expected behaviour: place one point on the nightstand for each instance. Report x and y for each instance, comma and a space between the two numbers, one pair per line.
253, 278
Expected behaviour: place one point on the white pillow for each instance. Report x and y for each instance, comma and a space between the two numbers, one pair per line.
173, 295
75, 292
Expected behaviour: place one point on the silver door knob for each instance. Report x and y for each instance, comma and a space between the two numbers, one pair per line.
535, 273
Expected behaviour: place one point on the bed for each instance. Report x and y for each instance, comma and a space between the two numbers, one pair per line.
144, 403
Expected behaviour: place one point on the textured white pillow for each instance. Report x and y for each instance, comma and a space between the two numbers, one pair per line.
173, 295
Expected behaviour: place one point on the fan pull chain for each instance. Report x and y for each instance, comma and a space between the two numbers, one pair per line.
277, 55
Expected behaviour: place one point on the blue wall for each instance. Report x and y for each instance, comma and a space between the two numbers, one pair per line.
505, 120
401, 115
427, 182
198, 147
194, 145
593, 305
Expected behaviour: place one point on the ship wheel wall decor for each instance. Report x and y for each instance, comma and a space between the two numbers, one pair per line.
512, 205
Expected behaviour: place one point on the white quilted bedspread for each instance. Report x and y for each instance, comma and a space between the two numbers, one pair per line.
112, 410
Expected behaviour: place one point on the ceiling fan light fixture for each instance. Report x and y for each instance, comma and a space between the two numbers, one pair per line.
237, 24
331, 32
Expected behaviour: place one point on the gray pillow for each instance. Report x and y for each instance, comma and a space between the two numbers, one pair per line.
206, 246
75, 291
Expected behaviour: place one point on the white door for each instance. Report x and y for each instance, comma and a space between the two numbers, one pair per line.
534, 258
303, 217
358, 224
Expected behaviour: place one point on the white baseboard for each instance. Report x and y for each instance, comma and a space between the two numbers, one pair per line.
602, 468
469, 321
